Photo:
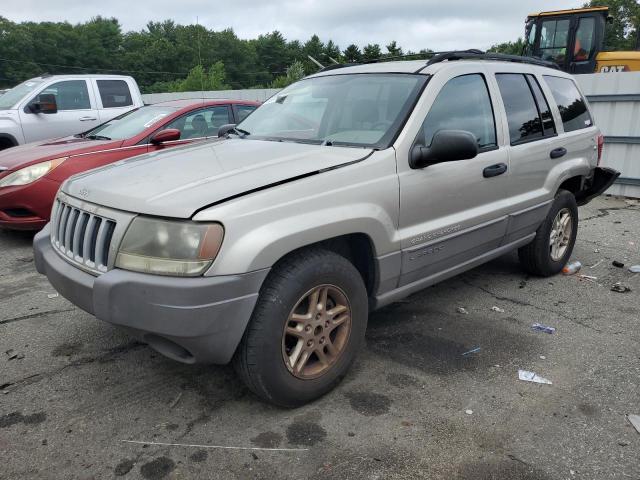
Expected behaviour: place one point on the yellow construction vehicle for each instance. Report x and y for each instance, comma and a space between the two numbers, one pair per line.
574, 39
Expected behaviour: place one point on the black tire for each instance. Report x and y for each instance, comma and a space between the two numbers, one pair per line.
535, 257
259, 358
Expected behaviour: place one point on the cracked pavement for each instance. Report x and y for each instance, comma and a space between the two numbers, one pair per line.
72, 388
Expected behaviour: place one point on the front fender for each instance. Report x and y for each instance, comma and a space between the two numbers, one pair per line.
10, 127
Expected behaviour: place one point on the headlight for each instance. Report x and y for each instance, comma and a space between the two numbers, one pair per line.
178, 248
31, 173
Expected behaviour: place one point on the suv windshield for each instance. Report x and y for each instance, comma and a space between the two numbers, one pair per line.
13, 96
130, 124
362, 110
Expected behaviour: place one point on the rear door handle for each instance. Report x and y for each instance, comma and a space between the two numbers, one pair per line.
87, 119
494, 170
558, 152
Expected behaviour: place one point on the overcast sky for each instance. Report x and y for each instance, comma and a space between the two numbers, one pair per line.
414, 24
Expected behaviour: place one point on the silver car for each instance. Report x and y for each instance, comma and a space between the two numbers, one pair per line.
345, 192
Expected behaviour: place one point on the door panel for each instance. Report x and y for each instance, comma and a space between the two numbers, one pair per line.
76, 112
450, 212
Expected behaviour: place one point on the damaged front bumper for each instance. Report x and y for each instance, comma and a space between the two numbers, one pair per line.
597, 184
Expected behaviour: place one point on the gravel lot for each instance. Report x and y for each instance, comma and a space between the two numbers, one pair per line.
73, 389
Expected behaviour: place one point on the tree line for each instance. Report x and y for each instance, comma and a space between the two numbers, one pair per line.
165, 56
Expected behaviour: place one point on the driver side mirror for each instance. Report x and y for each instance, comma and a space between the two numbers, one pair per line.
45, 103
446, 146
167, 135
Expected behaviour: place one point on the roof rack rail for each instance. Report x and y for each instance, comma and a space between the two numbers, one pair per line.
480, 55
335, 66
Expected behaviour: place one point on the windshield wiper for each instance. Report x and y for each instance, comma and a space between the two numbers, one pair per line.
97, 137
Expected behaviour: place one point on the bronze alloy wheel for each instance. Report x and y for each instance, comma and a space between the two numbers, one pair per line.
316, 332
560, 235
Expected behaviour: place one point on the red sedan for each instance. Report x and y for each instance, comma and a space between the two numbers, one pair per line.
30, 175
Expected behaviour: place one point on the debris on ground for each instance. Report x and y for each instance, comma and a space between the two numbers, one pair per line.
497, 309
462, 310
617, 264
13, 355
596, 250
522, 284
620, 288
572, 268
175, 401
591, 278
597, 263
221, 447
542, 357
543, 328
527, 376
469, 412
634, 269
635, 421
53, 295
474, 350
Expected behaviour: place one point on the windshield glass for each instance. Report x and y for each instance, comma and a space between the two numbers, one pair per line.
131, 123
17, 93
363, 110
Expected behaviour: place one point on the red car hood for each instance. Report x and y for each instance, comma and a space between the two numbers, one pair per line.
19, 157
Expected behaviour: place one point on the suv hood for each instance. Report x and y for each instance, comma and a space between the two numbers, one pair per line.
179, 181
21, 156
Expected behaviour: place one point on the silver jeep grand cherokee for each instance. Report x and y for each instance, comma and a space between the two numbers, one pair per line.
347, 191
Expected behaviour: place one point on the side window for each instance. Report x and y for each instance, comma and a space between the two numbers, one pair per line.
548, 126
70, 94
554, 36
573, 108
243, 111
462, 104
114, 93
522, 114
201, 123
584, 39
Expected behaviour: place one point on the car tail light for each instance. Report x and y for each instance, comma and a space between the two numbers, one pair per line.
600, 146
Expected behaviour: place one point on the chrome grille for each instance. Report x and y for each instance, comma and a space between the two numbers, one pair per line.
81, 236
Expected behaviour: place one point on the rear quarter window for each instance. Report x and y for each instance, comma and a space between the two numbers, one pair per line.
114, 93
571, 104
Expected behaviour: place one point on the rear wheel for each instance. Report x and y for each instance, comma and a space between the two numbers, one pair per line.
307, 326
555, 238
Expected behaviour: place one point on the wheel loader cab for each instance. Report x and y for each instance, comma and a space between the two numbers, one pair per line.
570, 38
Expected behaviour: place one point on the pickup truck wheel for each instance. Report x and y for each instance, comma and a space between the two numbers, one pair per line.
307, 326
553, 244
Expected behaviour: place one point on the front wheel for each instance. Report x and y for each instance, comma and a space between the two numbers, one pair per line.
555, 238
307, 326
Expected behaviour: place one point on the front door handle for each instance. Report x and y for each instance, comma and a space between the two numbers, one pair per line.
87, 119
558, 152
494, 170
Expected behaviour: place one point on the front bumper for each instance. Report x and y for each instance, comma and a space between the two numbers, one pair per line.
34, 200
188, 319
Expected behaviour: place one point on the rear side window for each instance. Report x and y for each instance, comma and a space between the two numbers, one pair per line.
463, 104
573, 108
523, 117
114, 93
548, 125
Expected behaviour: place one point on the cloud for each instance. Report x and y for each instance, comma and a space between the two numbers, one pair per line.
414, 24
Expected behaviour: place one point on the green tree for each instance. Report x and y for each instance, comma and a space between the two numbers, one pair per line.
294, 73
393, 50
371, 52
352, 54
510, 48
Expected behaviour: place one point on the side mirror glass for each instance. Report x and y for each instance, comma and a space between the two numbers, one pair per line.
446, 146
167, 135
45, 103
225, 129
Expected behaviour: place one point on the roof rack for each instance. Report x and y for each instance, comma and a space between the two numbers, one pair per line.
480, 55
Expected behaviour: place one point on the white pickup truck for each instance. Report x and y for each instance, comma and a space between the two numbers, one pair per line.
53, 106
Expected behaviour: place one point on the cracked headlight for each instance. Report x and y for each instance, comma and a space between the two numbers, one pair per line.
167, 247
31, 173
